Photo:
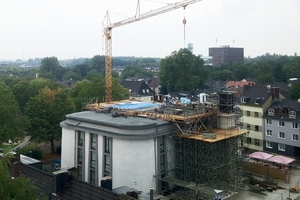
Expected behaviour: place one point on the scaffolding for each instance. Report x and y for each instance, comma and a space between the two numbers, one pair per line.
204, 152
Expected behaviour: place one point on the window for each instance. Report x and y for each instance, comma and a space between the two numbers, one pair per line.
295, 137
281, 147
269, 133
256, 142
294, 125
269, 144
271, 111
243, 100
80, 138
281, 135
147, 90
93, 141
107, 156
248, 126
269, 121
248, 113
281, 123
92, 177
107, 165
162, 163
93, 159
256, 114
292, 114
162, 144
79, 156
248, 141
143, 90
79, 173
107, 144
256, 128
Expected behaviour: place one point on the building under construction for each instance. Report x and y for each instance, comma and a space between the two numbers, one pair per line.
203, 154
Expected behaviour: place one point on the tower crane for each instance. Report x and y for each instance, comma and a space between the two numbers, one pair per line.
107, 29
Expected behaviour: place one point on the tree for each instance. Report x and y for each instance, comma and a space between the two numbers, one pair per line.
265, 78
222, 75
183, 70
46, 110
295, 90
12, 123
14, 187
23, 91
98, 63
133, 71
50, 68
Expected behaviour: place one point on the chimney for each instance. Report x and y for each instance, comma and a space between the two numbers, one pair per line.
60, 179
275, 92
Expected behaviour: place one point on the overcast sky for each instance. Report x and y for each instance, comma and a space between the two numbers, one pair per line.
73, 28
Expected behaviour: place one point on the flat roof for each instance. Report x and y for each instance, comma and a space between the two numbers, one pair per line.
221, 134
108, 119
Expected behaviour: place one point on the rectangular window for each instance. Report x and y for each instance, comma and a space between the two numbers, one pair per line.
248, 141
79, 156
162, 163
281, 147
107, 144
256, 142
248, 113
92, 177
256, 114
162, 144
295, 125
269, 144
256, 128
269, 121
107, 165
79, 173
93, 159
281, 135
248, 126
281, 123
80, 138
93, 141
295, 137
269, 133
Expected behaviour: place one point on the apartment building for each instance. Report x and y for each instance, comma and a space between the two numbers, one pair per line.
130, 151
254, 102
281, 128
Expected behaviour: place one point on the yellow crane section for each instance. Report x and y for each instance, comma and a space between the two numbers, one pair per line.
108, 35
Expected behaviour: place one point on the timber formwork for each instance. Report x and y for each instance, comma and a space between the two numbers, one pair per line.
201, 157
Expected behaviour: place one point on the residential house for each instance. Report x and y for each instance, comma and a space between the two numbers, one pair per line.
138, 89
281, 127
254, 102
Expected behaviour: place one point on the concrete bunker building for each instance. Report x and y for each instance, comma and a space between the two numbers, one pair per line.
179, 150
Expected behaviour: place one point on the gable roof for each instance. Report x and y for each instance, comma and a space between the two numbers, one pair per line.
253, 93
137, 87
73, 189
282, 108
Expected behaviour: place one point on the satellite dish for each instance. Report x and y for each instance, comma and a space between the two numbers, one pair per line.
269, 86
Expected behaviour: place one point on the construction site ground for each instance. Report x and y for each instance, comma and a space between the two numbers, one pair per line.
279, 194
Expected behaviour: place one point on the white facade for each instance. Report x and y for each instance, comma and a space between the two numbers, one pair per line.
134, 149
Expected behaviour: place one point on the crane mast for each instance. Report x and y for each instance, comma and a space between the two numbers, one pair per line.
108, 35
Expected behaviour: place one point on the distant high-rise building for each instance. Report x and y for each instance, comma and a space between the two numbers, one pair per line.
190, 47
226, 54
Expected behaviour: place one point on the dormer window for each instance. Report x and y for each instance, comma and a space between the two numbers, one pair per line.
271, 111
257, 100
243, 100
292, 114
